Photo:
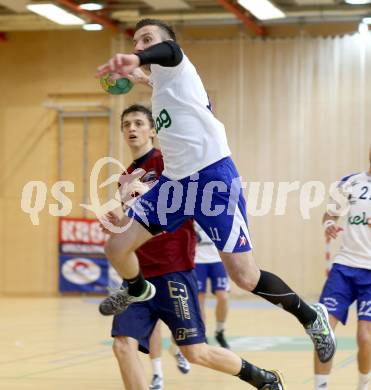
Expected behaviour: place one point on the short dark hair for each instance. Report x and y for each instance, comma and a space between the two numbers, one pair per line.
139, 108
159, 23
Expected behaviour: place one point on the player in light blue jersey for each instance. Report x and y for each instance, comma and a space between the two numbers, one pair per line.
350, 277
199, 181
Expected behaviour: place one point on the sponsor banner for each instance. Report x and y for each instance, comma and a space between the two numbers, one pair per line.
83, 249
82, 263
83, 274
81, 236
81, 231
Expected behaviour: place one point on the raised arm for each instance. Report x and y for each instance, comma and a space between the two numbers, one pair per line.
167, 53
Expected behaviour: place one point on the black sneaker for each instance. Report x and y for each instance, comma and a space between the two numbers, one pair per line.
120, 300
321, 334
219, 337
276, 381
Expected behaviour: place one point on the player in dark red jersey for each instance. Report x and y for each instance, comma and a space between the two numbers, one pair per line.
167, 261
168, 252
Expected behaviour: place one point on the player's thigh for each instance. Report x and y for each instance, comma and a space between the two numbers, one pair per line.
125, 347
228, 232
333, 321
339, 292
241, 268
364, 307
363, 287
194, 353
178, 306
221, 213
137, 322
132, 236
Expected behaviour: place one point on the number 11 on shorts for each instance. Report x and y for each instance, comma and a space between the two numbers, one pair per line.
214, 234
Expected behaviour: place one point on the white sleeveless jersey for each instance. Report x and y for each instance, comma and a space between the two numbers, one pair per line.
355, 250
206, 251
190, 136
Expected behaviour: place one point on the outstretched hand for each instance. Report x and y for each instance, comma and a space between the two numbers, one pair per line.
122, 65
109, 218
127, 184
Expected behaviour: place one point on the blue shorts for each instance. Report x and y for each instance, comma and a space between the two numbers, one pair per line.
175, 303
216, 273
212, 196
344, 285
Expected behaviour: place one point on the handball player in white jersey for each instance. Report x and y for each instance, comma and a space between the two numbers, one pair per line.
199, 181
350, 277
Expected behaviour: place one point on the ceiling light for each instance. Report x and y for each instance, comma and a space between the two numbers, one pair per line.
357, 2
167, 4
92, 27
55, 14
91, 6
262, 9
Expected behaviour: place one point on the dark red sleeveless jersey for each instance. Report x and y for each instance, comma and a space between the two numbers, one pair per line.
166, 252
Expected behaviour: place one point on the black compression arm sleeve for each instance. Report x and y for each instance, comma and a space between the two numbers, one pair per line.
167, 53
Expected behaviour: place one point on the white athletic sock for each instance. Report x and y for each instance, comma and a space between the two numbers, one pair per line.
219, 326
320, 382
363, 380
157, 367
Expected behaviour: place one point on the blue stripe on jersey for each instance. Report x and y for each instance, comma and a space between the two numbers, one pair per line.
344, 179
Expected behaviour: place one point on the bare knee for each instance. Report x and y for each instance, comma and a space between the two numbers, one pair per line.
364, 338
222, 297
115, 247
245, 280
242, 269
122, 347
110, 248
195, 354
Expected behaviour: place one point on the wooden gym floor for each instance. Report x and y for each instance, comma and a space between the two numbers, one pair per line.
63, 343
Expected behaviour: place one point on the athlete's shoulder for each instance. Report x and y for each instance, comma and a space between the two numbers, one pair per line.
155, 162
129, 170
156, 157
157, 154
350, 178
163, 73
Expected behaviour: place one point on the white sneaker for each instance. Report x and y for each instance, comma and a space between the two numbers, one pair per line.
157, 383
182, 363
